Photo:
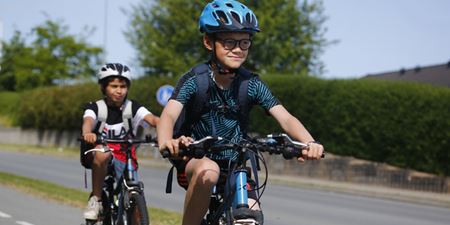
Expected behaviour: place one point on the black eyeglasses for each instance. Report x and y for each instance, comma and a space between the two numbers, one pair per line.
230, 44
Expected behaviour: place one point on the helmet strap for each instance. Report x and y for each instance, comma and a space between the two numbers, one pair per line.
216, 64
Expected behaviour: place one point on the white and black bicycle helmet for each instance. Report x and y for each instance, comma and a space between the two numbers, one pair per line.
114, 70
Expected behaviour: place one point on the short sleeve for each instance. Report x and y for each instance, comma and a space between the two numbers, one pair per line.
260, 93
90, 110
186, 91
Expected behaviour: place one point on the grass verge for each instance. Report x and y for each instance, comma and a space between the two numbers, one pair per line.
73, 197
41, 150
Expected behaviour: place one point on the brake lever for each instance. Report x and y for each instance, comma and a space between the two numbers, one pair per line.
297, 143
207, 138
103, 149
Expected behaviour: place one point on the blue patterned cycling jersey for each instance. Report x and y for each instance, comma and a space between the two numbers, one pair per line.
226, 123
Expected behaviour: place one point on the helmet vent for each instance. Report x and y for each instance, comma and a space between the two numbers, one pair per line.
222, 17
248, 17
236, 16
229, 5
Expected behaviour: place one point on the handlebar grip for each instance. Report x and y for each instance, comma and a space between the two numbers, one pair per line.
98, 140
166, 153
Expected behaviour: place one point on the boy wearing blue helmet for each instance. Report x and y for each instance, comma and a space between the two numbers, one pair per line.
229, 27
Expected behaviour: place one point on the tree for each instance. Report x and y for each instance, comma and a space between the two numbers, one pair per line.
13, 54
166, 36
51, 57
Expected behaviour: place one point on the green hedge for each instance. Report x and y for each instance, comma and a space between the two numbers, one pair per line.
8, 100
8, 104
55, 108
61, 108
404, 124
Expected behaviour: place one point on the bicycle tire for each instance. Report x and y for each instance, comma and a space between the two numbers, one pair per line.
108, 214
137, 214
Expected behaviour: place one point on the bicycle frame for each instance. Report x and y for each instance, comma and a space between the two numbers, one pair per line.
129, 186
236, 212
123, 194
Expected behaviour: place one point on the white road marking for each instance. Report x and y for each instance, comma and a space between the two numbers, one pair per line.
4, 215
23, 223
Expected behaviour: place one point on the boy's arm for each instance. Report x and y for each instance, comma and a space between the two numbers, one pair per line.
151, 119
166, 124
86, 130
294, 128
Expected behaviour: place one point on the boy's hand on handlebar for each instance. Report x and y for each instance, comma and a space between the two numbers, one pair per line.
174, 145
90, 138
314, 151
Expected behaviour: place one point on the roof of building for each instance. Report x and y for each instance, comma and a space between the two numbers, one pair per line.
438, 75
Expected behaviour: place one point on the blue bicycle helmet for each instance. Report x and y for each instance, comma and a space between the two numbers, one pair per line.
227, 16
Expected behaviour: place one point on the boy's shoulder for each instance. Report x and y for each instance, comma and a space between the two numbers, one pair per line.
135, 105
94, 105
199, 70
91, 105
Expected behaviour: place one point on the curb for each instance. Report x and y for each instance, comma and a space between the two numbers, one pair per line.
373, 191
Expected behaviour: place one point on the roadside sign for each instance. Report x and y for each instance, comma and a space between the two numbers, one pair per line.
163, 94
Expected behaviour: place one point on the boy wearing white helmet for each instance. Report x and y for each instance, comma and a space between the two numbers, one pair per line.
122, 117
229, 27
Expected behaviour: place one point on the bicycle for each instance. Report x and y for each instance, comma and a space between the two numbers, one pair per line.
229, 200
123, 200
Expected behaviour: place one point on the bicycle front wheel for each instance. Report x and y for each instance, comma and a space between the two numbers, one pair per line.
137, 214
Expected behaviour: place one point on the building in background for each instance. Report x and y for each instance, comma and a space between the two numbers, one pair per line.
438, 75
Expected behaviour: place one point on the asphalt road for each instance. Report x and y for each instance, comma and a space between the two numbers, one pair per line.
282, 205
24, 209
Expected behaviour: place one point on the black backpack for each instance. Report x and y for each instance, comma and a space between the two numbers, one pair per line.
200, 104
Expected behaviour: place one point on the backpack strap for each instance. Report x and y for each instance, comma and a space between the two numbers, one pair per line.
201, 98
169, 180
102, 115
242, 98
192, 112
127, 115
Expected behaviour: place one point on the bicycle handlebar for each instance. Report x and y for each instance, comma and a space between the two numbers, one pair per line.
197, 148
279, 144
105, 141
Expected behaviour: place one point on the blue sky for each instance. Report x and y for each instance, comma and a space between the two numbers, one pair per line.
374, 35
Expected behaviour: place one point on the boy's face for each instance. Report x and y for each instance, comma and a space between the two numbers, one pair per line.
116, 91
231, 48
